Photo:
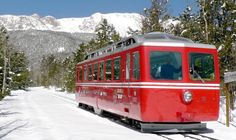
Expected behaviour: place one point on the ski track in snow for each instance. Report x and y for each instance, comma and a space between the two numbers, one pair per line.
43, 114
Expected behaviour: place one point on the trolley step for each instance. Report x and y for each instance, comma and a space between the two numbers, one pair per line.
173, 127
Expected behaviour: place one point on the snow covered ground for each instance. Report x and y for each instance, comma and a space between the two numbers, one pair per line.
46, 114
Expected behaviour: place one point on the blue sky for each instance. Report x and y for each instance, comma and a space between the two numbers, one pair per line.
83, 8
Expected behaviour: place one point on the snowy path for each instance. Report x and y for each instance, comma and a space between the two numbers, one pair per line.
41, 114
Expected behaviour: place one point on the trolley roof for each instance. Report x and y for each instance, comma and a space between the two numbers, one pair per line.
151, 39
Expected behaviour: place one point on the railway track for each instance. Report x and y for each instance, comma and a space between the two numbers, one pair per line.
199, 137
186, 136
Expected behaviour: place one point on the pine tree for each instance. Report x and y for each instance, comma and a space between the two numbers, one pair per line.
69, 76
19, 71
154, 16
70, 64
217, 19
44, 68
14, 72
133, 32
188, 26
4, 65
106, 34
51, 72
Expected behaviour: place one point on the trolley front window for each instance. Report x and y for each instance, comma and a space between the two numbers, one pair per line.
201, 67
165, 65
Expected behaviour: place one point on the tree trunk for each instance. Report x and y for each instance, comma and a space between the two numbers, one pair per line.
4, 68
205, 21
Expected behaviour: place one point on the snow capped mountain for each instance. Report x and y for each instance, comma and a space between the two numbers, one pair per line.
34, 22
121, 22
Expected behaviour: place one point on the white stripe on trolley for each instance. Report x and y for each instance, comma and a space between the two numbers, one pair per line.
152, 85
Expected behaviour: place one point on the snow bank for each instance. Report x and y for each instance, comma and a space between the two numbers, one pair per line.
47, 114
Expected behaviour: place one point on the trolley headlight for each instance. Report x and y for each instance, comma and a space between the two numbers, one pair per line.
187, 96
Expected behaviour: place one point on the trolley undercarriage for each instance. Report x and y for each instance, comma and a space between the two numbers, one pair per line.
147, 127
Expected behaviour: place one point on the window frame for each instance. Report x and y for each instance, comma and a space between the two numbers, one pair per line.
114, 68
95, 76
101, 71
106, 75
162, 63
202, 78
90, 72
127, 66
135, 76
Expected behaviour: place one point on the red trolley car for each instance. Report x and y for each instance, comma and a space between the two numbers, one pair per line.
156, 80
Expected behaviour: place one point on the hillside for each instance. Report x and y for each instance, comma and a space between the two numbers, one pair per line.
36, 44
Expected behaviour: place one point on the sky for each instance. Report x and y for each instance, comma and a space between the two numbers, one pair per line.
84, 8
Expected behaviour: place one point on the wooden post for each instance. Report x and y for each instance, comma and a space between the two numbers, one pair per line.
226, 91
228, 78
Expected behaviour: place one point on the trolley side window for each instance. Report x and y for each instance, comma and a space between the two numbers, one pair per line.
127, 71
117, 68
108, 69
101, 70
90, 73
85, 72
136, 66
201, 67
95, 75
165, 65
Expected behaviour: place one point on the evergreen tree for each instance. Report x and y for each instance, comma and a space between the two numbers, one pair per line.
55, 72
133, 32
69, 76
4, 64
61, 73
70, 63
80, 53
19, 71
14, 73
217, 19
44, 68
106, 34
188, 26
154, 16
51, 72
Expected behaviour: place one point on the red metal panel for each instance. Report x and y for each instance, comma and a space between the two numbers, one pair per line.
165, 105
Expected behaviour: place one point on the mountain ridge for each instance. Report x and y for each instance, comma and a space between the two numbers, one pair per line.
73, 24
